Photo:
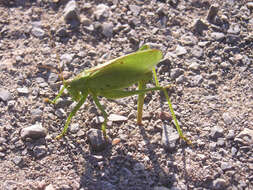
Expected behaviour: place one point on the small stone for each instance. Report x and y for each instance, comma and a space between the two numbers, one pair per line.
35, 132
74, 128
2, 155
23, 91
17, 160
250, 5
96, 139
5, 95
161, 188
220, 142
233, 151
234, 29
49, 187
226, 166
101, 11
197, 80
219, 184
116, 141
232, 39
98, 119
175, 73
199, 26
231, 134
70, 11
170, 138
134, 9
107, 185
115, 117
40, 151
180, 79
225, 65
60, 113
216, 132
197, 51
212, 13
218, 36
36, 113
227, 118
67, 58
53, 77
245, 137
107, 29
139, 167
38, 32
194, 66
188, 39
180, 50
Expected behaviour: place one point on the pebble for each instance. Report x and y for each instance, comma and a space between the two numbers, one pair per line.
5, 95
40, 151
194, 66
216, 132
52, 78
36, 113
218, 36
245, 137
188, 39
115, 117
170, 138
161, 188
175, 73
181, 79
234, 29
17, 160
196, 80
232, 39
70, 11
67, 58
74, 128
107, 29
225, 65
219, 184
199, 26
38, 32
134, 9
197, 51
233, 151
139, 167
23, 91
2, 155
35, 132
227, 118
212, 13
49, 187
180, 50
250, 5
107, 185
60, 113
96, 139
225, 166
101, 11
98, 119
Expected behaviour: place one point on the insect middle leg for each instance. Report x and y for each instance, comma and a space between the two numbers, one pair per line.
72, 113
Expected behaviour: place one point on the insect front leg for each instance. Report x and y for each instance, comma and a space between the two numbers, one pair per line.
103, 112
141, 86
72, 113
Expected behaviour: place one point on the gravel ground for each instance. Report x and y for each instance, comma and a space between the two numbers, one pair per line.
207, 47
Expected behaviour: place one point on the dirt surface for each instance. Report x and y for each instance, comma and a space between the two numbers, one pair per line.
207, 47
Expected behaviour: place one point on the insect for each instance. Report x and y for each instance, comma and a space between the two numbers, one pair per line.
111, 78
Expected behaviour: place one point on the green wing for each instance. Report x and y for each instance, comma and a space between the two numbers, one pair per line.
123, 71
